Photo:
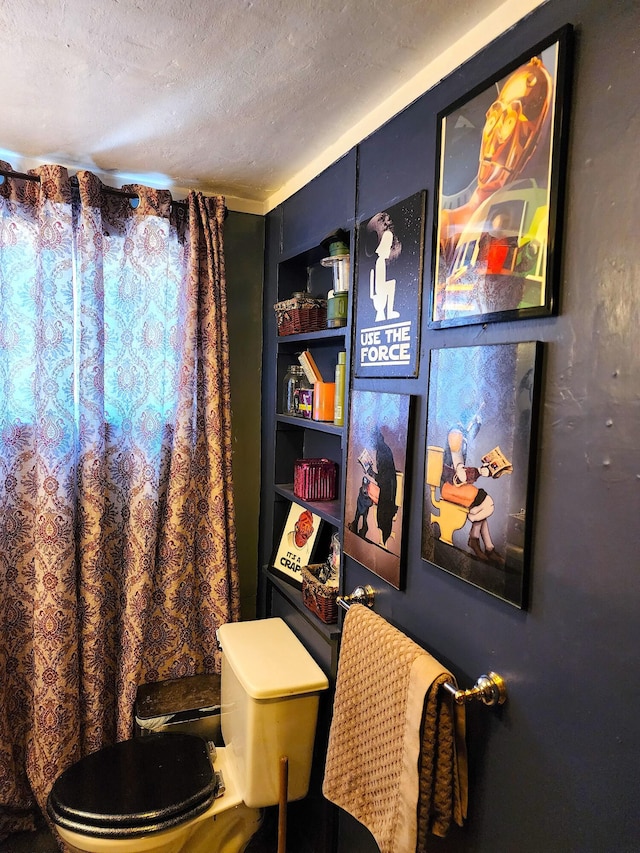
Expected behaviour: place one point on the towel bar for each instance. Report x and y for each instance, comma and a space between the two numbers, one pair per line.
360, 595
490, 689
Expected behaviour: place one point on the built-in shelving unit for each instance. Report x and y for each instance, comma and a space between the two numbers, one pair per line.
295, 232
296, 437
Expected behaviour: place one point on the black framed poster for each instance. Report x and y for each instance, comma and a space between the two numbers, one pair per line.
389, 286
376, 482
479, 467
498, 207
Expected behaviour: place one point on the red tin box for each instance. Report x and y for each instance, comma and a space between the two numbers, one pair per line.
315, 479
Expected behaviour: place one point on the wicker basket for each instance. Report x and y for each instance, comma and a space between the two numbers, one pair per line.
301, 314
318, 597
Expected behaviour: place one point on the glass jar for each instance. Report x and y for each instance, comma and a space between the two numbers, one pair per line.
294, 380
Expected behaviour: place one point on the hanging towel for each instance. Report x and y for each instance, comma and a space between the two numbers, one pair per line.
396, 758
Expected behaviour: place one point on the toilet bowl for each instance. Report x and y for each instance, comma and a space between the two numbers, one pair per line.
173, 792
159, 794
450, 517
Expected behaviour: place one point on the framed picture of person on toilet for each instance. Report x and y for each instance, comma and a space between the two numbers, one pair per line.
498, 204
376, 482
479, 464
388, 294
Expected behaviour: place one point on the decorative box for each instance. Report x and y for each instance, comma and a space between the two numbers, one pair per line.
300, 314
304, 398
319, 598
315, 479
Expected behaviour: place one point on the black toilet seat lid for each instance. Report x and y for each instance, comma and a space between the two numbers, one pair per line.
135, 787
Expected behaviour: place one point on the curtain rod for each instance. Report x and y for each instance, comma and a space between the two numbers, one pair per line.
112, 190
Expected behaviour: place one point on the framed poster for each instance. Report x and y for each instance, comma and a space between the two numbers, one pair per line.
295, 548
375, 481
389, 287
498, 208
481, 437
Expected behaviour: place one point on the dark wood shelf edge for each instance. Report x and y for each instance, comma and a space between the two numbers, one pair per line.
327, 510
307, 423
294, 596
320, 335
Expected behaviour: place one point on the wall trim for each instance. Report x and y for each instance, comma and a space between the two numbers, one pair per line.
502, 19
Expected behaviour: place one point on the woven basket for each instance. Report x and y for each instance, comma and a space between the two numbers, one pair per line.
318, 597
300, 315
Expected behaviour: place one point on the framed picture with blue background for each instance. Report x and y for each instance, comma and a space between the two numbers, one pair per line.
479, 464
377, 468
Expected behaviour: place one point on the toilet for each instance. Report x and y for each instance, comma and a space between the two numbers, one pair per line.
172, 792
450, 517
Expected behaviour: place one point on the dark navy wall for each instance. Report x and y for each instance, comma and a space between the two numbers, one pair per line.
555, 769
326, 203
244, 259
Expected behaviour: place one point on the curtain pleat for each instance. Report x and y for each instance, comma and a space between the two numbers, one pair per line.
117, 527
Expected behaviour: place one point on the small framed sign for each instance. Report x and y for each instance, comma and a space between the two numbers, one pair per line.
296, 544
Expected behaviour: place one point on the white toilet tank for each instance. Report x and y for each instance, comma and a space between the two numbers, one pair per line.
270, 690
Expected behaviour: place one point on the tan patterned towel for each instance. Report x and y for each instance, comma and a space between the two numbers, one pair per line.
396, 758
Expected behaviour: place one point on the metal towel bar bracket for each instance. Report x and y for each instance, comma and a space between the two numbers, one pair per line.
360, 595
490, 689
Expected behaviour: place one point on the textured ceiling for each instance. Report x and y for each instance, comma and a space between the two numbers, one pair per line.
232, 96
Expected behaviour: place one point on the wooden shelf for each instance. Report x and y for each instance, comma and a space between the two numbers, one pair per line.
294, 595
310, 337
307, 423
330, 511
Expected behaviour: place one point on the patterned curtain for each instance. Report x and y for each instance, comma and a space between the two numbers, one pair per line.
117, 526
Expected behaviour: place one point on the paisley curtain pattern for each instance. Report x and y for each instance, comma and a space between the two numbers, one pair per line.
117, 526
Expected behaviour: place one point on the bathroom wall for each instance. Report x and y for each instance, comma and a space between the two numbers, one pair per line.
244, 259
556, 768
